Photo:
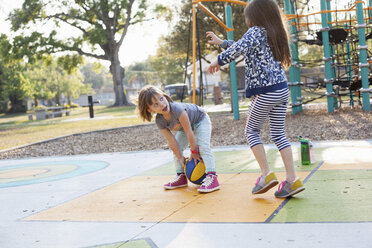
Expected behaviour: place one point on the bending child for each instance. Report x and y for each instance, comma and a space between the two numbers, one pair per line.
266, 51
191, 125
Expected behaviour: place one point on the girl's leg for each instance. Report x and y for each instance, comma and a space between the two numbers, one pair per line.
277, 132
203, 139
260, 155
287, 158
180, 180
257, 114
260, 107
182, 143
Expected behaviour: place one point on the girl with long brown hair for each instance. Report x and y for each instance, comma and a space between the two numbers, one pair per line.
266, 51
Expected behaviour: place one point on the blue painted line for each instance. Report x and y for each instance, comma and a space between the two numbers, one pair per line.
82, 167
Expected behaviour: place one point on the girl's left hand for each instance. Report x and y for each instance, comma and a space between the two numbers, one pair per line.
214, 67
195, 156
213, 38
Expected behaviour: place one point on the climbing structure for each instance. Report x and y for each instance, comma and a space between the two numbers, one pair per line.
345, 52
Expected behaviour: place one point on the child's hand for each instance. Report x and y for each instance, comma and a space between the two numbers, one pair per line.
214, 39
195, 156
214, 67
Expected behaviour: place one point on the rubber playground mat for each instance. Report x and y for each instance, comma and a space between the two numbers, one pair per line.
337, 184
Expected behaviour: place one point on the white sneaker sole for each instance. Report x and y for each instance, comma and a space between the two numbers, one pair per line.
175, 187
209, 190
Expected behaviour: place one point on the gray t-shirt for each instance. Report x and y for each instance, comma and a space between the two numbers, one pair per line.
194, 112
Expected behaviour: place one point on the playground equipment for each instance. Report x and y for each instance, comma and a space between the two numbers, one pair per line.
355, 77
351, 57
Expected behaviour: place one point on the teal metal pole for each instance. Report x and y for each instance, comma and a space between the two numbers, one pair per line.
327, 58
329, 16
294, 71
363, 64
370, 10
333, 64
348, 65
234, 81
370, 19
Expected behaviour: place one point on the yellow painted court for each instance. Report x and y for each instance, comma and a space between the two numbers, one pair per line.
118, 200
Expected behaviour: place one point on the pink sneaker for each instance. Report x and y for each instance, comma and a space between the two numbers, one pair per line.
178, 182
210, 183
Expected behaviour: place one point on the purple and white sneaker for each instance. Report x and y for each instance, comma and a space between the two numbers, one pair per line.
178, 182
210, 183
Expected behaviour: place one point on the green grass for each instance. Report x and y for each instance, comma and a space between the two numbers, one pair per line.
16, 129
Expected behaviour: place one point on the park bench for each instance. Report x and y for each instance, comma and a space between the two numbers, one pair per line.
50, 112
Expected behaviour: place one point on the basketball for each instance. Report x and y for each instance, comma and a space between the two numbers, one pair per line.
195, 173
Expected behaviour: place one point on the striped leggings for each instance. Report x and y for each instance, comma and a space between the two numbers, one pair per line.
274, 105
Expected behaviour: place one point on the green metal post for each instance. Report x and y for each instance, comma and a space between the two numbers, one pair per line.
370, 10
327, 58
294, 71
370, 18
349, 67
329, 16
333, 64
363, 64
234, 82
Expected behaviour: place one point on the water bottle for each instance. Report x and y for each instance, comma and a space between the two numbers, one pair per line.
305, 151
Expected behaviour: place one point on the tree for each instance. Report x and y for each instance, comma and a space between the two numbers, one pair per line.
2, 81
142, 73
178, 38
169, 64
96, 75
50, 82
16, 87
101, 25
170, 60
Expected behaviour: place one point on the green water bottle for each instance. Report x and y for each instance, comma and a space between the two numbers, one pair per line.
305, 151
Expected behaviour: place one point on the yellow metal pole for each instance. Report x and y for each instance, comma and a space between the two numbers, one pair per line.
229, 1
193, 51
215, 18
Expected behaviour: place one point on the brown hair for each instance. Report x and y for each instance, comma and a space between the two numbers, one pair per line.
267, 14
144, 101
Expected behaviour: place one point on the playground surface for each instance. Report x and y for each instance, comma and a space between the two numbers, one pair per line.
117, 200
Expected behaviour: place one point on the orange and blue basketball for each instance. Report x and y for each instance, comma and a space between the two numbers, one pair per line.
195, 172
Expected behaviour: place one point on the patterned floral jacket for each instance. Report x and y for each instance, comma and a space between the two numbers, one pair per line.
262, 73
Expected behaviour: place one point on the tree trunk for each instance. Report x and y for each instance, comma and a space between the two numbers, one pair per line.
57, 100
17, 106
118, 75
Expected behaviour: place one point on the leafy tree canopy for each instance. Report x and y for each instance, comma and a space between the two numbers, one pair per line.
97, 29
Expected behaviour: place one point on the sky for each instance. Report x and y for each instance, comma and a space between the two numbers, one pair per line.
143, 38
